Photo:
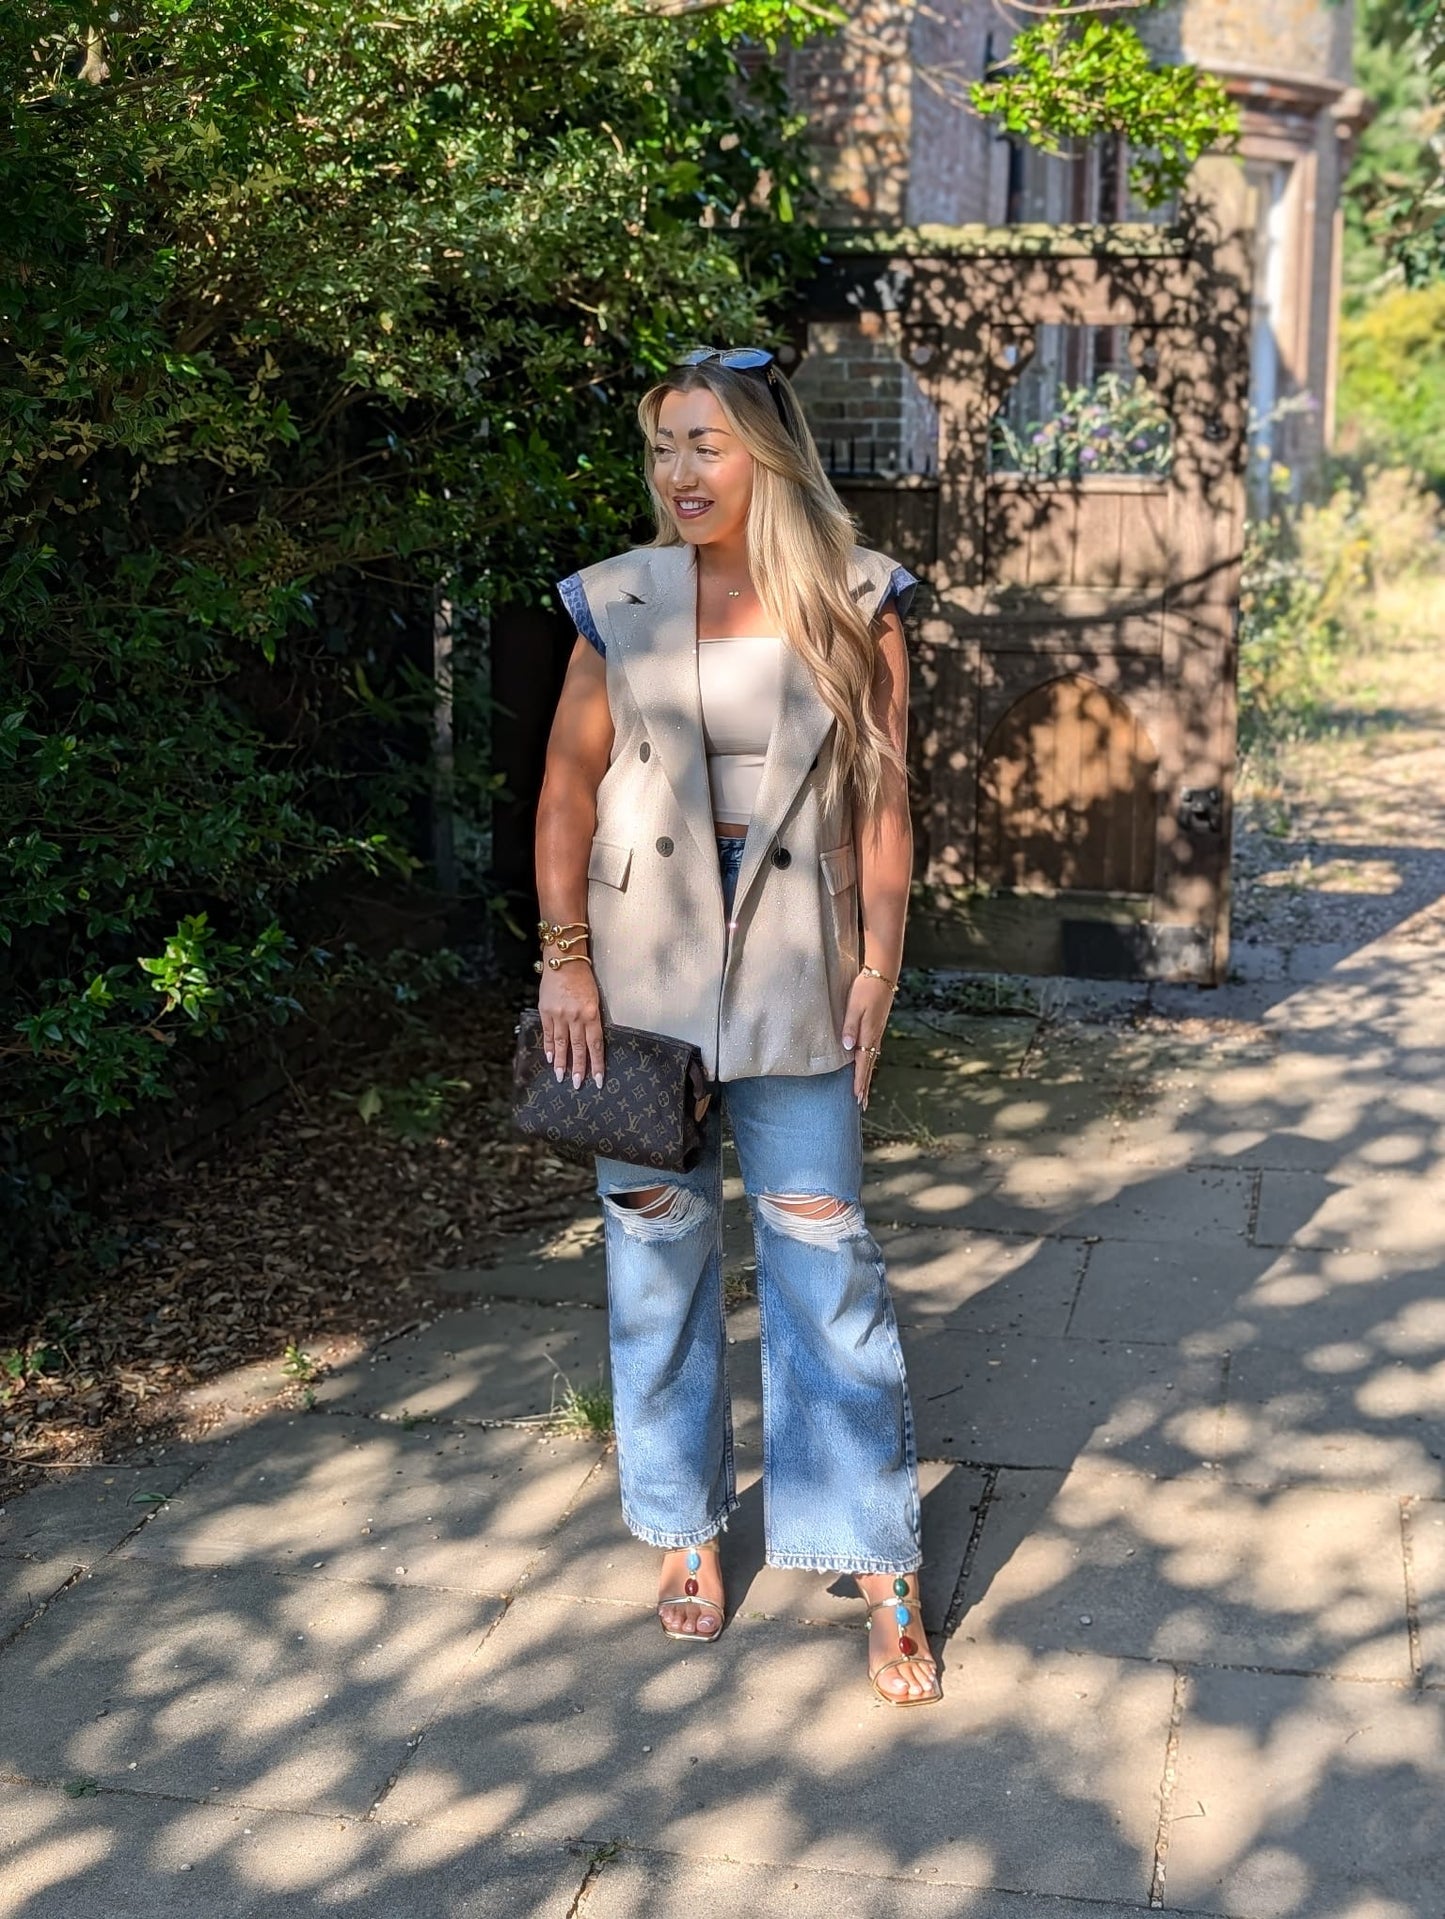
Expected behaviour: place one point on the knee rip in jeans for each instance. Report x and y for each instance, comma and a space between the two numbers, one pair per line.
657, 1212
815, 1217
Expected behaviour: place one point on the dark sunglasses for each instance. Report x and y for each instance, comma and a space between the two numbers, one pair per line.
744, 359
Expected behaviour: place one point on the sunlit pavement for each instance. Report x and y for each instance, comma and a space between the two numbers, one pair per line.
1171, 1296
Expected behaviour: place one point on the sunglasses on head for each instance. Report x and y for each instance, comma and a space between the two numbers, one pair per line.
744, 359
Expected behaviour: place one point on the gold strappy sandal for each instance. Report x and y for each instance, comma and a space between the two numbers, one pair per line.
689, 1596
903, 1605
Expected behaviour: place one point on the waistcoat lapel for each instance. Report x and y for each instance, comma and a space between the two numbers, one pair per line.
656, 640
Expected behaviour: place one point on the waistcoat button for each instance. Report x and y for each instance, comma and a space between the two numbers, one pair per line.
664, 846
781, 856
644, 752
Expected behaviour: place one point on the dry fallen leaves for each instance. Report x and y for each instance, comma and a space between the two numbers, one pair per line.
315, 1229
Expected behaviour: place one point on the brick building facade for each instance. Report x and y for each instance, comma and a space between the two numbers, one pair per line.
900, 148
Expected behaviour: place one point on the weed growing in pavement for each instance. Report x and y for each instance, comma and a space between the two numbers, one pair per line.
585, 1411
739, 1286
299, 1365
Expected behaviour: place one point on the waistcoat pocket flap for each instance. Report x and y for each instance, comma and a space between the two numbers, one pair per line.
839, 868
609, 862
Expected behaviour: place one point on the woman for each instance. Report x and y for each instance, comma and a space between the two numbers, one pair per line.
723, 855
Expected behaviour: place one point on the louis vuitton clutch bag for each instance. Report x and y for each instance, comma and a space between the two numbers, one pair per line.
648, 1110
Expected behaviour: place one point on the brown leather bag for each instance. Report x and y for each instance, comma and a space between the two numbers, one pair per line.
648, 1110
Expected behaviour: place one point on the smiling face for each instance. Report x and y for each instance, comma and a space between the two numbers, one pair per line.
701, 468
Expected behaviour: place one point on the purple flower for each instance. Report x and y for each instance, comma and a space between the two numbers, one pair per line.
1088, 456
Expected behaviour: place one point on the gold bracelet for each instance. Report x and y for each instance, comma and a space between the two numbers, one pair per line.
547, 933
871, 972
565, 946
571, 958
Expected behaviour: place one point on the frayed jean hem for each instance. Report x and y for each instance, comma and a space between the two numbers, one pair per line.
675, 1542
810, 1563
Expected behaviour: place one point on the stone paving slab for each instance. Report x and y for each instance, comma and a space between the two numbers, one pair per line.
25, 1585
583, 1720
1390, 1213
490, 1362
1344, 1415
1307, 1799
575, 1277
126, 1856
569, 1266
1296, 1298
1084, 1201
1015, 1400
909, 1188
641, 1885
981, 1281
593, 1556
957, 1047
83, 1513
1174, 1291
1425, 1523
287, 1693
933, 1107
1192, 1570
349, 1499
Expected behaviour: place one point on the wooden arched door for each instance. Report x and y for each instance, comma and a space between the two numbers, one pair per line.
1068, 795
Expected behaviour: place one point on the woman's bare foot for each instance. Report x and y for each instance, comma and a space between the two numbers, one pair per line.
700, 1617
914, 1678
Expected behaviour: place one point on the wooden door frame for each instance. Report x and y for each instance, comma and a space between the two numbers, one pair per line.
965, 298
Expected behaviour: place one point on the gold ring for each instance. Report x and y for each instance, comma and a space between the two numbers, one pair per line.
873, 1051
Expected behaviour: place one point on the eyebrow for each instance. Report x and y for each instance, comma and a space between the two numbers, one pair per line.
694, 432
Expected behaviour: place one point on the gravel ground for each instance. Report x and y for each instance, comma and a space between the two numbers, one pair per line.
1345, 838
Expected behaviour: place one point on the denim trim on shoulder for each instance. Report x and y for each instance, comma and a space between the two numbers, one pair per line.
573, 596
901, 588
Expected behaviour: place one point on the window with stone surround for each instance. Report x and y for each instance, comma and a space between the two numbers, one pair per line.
1078, 408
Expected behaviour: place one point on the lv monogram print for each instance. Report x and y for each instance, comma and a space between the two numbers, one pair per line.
648, 1110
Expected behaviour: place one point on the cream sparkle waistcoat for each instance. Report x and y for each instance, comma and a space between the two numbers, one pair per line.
769, 994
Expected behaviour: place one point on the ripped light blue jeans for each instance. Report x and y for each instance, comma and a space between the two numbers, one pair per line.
840, 1478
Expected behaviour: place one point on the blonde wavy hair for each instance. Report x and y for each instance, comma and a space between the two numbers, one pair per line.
800, 539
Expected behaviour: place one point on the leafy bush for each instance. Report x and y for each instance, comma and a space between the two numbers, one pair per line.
305, 313
1391, 400
1305, 595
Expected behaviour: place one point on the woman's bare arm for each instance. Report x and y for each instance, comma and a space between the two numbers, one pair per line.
578, 749
885, 859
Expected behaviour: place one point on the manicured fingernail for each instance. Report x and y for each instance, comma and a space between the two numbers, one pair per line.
596, 1079
547, 1056
576, 1082
561, 1074
848, 1042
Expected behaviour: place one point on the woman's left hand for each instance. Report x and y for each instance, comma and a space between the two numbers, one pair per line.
864, 1024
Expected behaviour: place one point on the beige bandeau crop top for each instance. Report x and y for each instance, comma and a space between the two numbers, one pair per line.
740, 681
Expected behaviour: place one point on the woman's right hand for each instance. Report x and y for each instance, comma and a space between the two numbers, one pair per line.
571, 1022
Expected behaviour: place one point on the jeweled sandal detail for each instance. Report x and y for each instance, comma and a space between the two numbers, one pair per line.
689, 1596
909, 1648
